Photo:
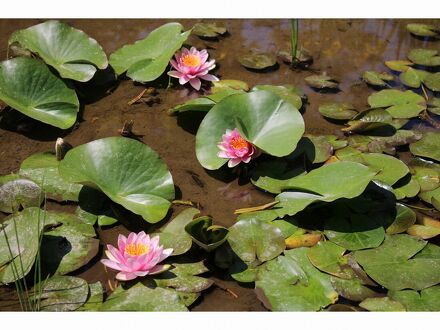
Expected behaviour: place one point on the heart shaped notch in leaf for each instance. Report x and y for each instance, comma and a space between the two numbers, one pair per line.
127, 171
205, 234
70, 51
262, 118
28, 86
147, 59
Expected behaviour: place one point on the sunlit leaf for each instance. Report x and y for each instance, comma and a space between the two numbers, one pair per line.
258, 61
288, 93
208, 30
338, 111
428, 146
17, 193
377, 78
322, 81
426, 57
398, 104
382, 304
422, 30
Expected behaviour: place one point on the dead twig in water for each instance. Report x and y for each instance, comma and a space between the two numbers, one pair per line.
232, 293
256, 208
149, 96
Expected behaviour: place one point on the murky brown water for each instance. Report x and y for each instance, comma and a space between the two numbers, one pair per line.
343, 48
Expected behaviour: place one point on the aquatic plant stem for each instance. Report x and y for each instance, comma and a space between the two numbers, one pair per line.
294, 39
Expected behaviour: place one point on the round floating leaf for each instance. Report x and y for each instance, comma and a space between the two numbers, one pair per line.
432, 81
377, 78
70, 51
288, 93
382, 304
205, 234
422, 30
147, 59
369, 120
425, 301
426, 57
229, 84
183, 278
173, 234
387, 144
256, 240
329, 258
291, 283
42, 168
264, 119
427, 146
338, 111
321, 81
16, 193
63, 294
126, 170
352, 289
142, 298
413, 78
399, 104
434, 105
19, 242
28, 86
95, 299
405, 218
258, 61
396, 265
68, 247
431, 197
425, 232
399, 66
208, 30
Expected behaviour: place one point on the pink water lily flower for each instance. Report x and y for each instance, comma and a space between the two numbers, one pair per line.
136, 255
191, 66
234, 147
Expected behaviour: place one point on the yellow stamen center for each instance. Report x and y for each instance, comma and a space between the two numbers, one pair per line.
191, 60
136, 249
239, 143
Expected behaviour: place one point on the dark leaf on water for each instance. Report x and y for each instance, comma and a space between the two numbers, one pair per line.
338, 111
322, 81
258, 61
208, 30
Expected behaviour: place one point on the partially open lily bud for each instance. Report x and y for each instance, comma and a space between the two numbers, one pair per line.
61, 148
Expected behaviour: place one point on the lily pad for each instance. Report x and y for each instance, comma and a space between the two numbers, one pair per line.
63, 294
316, 148
95, 299
329, 258
255, 240
425, 232
173, 234
352, 289
145, 299
183, 278
19, 242
42, 168
147, 59
382, 304
376, 78
369, 120
258, 61
263, 118
425, 57
405, 218
299, 239
399, 65
396, 265
322, 81
432, 81
288, 93
229, 84
68, 247
387, 144
422, 30
428, 146
425, 301
413, 78
70, 51
17, 193
126, 170
434, 105
28, 86
431, 197
208, 30
399, 104
338, 111
205, 234
291, 283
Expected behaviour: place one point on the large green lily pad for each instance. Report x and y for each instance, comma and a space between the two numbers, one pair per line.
263, 118
19, 242
147, 59
256, 240
42, 168
426, 57
28, 86
145, 299
70, 51
397, 103
423, 301
338, 111
288, 93
427, 146
396, 265
291, 283
16, 193
126, 170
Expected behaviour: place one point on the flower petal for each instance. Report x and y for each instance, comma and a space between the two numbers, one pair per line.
124, 276
195, 83
209, 77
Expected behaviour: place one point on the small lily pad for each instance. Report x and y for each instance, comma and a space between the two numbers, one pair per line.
413, 78
399, 104
423, 30
382, 304
95, 299
338, 111
322, 81
205, 234
399, 65
229, 84
425, 57
17, 193
434, 105
376, 78
329, 258
258, 61
423, 301
425, 232
352, 289
428, 146
405, 218
208, 30
432, 81
369, 120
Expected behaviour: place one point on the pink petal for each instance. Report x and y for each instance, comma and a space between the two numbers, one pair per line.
195, 83
174, 64
209, 77
165, 254
234, 162
175, 74
111, 264
159, 269
183, 79
123, 276
122, 240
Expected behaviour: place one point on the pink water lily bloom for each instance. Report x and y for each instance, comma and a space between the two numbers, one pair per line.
191, 66
234, 147
136, 255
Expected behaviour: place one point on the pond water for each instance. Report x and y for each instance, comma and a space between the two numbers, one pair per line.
342, 48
